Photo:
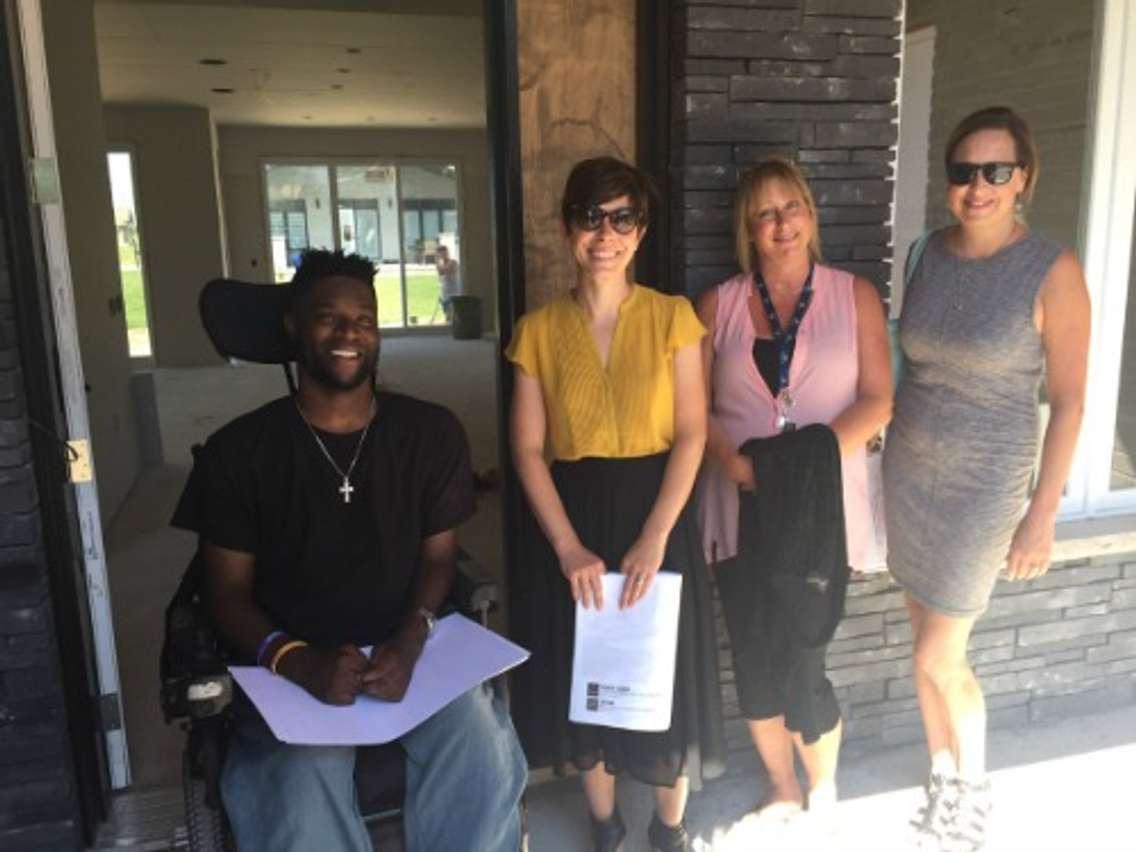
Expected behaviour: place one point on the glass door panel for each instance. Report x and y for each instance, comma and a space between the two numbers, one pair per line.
429, 198
368, 225
299, 214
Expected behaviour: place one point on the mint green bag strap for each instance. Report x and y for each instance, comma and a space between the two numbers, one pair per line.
914, 256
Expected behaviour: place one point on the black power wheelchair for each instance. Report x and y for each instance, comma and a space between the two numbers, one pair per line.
245, 321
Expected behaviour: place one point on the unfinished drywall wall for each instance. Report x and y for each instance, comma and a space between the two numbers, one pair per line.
1034, 57
245, 150
179, 218
80, 139
576, 66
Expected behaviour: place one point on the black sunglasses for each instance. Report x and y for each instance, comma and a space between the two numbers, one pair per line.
995, 174
623, 220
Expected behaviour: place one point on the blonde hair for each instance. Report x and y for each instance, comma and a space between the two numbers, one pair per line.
751, 182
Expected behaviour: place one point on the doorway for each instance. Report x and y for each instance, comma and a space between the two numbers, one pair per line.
441, 191
131, 269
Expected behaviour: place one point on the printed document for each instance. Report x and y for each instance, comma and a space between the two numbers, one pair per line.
460, 655
623, 663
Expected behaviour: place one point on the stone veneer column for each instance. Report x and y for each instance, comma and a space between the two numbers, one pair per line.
814, 80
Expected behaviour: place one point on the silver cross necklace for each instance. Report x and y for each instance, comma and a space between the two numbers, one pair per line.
346, 489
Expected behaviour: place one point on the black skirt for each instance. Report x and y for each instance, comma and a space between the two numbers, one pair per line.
607, 501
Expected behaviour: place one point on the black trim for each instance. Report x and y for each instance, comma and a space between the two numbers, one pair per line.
35, 329
504, 129
653, 136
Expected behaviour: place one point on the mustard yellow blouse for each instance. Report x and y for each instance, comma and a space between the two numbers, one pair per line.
625, 409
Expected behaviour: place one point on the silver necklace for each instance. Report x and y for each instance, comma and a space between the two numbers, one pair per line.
346, 489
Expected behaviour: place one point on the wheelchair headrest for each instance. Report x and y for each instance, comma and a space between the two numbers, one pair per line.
246, 321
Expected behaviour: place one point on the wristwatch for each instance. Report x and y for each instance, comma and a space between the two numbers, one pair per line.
431, 621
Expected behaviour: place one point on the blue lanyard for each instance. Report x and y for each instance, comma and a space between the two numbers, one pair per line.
785, 338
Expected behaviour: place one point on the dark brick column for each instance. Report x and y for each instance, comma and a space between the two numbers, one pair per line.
814, 80
38, 803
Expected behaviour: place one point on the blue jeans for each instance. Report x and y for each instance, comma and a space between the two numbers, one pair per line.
465, 773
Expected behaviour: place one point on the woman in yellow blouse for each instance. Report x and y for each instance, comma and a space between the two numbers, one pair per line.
608, 379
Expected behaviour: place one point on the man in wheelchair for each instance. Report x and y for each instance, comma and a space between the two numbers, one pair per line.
327, 522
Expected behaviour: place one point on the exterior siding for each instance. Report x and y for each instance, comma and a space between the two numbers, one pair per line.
1035, 57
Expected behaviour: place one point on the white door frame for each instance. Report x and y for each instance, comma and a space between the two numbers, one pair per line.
910, 171
73, 384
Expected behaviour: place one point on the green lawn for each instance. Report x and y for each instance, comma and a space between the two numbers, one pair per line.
422, 291
134, 298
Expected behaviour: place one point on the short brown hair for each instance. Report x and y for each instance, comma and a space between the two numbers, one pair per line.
1001, 118
600, 179
752, 181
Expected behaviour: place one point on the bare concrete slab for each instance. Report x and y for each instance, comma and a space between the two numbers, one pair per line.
1059, 787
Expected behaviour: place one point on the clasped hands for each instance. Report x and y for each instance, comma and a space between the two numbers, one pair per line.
584, 571
339, 675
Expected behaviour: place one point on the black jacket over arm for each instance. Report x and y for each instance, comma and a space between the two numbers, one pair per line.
792, 528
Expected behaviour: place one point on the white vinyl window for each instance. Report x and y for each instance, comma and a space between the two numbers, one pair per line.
1103, 480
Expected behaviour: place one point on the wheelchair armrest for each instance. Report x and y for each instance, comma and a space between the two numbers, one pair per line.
474, 592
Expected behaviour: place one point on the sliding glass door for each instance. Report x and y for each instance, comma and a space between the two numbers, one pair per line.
403, 217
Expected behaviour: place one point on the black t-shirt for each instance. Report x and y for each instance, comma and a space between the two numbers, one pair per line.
329, 571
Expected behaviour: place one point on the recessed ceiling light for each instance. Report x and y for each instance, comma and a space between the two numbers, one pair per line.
212, 61
354, 50
342, 70
223, 90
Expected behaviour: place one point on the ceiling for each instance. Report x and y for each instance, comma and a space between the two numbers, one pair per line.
311, 66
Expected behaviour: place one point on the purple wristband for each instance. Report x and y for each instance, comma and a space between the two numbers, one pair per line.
265, 642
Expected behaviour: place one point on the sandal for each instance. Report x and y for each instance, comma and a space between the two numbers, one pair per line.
608, 834
935, 820
664, 838
972, 817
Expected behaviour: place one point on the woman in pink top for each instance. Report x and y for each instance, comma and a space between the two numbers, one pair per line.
791, 342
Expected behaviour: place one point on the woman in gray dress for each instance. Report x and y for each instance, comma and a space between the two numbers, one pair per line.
990, 309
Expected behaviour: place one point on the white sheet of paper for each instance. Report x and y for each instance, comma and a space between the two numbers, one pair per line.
460, 655
623, 662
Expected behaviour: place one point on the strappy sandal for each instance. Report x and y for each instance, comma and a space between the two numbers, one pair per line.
935, 819
972, 817
608, 834
664, 838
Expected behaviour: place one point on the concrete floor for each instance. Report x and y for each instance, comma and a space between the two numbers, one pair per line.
1058, 787
146, 557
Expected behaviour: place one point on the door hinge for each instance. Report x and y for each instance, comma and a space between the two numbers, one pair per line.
110, 713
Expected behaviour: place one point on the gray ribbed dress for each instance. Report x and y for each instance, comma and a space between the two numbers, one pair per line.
962, 443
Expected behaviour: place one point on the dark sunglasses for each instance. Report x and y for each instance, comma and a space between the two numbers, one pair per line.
623, 220
995, 174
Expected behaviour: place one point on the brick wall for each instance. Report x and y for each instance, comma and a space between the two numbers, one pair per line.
38, 803
814, 80
1057, 646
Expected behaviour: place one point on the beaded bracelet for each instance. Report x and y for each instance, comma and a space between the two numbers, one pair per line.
265, 642
283, 650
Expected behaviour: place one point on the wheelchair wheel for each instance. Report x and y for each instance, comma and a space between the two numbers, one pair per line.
204, 825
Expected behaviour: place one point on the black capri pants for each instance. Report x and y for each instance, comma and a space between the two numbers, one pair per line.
774, 675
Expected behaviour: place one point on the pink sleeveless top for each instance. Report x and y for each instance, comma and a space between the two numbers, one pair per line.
822, 381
